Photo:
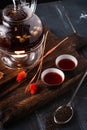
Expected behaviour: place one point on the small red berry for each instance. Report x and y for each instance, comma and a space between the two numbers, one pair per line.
21, 76
33, 88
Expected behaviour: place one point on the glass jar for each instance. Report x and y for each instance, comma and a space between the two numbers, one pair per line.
21, 37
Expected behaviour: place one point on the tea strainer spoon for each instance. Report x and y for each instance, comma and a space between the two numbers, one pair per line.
64, 113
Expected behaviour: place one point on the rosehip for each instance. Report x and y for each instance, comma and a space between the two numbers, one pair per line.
33, 88
21, 76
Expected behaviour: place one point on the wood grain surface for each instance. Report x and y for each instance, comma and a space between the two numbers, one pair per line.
15, 103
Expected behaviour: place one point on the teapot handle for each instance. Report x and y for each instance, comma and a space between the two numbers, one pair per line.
32, 6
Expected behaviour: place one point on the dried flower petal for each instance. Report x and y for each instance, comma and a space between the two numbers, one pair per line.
1, 75
33, 88
21, 76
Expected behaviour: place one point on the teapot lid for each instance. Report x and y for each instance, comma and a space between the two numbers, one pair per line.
14, 15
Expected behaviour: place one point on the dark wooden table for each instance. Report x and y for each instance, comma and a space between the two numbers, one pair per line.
50, 14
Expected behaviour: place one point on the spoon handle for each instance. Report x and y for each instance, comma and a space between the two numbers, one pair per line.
80, 83
65, 17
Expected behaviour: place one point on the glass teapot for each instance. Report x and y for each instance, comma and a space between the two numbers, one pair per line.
21, 35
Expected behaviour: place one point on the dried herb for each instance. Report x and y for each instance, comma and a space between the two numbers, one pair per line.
63, 114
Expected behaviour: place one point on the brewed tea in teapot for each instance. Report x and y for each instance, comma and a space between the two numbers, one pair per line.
21, 35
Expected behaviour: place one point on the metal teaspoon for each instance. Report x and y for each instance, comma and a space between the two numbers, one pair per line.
64, 113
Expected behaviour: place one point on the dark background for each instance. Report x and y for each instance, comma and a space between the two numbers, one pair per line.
3, 3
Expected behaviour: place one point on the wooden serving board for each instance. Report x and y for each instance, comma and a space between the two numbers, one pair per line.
16, 103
